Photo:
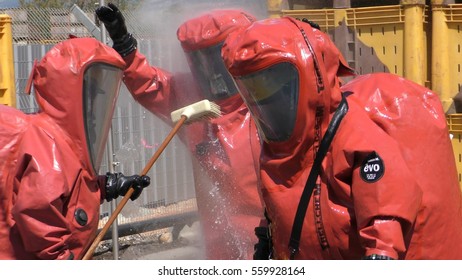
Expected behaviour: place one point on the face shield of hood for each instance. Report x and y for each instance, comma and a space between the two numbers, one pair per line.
101, 84
272, 97
210, 72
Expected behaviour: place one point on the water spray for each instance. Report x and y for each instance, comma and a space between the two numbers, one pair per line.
199, 111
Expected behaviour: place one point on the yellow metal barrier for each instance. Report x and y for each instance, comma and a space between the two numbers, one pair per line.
7, 80
378, 39
446, 52
455, 130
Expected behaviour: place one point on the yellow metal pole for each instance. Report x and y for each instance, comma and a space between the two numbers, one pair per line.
274, 8
414, 42
440, 75
7, 81
339, 16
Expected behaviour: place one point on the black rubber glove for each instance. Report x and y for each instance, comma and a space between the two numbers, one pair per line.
117, 185
114, 21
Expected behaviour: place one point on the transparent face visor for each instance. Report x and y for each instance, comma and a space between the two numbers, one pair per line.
210, 72
272, 96
101, 84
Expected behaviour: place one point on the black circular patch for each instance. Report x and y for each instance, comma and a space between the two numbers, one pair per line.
81, 216
372, 168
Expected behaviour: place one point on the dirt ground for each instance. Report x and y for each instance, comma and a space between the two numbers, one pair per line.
158, 244
182, 240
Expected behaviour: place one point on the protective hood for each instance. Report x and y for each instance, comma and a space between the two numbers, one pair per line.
76, 85
201, 39
211, 28
314, 60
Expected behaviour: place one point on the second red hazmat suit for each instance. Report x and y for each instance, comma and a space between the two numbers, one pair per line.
387, 187
50, 191
224, 148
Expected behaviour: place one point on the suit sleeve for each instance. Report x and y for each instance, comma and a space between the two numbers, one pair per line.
386, 197
149, 86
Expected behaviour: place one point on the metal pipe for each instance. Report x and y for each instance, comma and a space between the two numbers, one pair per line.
440, 73
7, 84
274, 8
153, 224
111, 166
414, 41
86, 21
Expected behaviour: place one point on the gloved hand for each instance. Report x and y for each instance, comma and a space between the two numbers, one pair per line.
114, 21
117, 185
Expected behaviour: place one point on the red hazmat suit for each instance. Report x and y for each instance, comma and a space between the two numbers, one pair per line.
224, 148
387, 187
49, 188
